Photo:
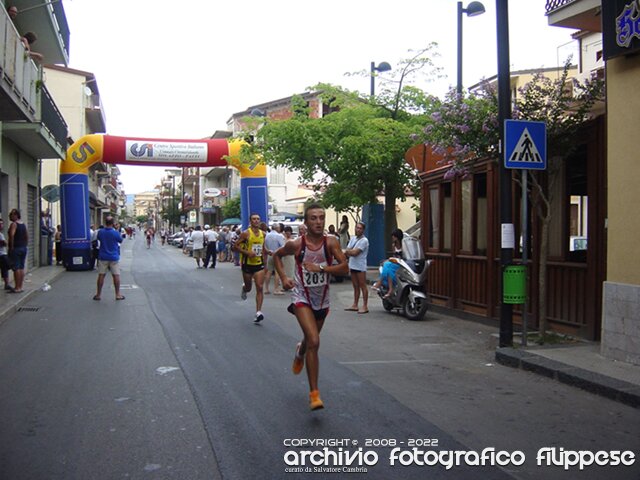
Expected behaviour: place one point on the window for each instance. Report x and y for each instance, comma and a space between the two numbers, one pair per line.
277, 175
473, 199
447, 212
481, 213
434, 217
467, 214
578, 205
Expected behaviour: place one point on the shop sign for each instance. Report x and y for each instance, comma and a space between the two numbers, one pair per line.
620, 27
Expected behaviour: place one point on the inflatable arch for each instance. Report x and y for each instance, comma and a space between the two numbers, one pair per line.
74, 179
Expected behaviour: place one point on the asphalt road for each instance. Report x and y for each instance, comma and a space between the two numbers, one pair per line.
177, 382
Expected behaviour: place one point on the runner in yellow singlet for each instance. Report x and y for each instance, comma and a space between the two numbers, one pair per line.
250, 245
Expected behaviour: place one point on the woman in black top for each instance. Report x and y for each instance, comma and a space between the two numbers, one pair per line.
18, 241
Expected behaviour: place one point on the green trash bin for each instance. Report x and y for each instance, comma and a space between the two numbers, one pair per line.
514, 284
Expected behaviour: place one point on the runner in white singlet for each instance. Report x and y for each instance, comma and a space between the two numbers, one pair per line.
314, 254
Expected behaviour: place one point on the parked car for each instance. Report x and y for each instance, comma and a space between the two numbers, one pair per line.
176, 240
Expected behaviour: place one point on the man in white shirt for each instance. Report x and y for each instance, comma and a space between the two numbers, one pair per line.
211, 239
357, 251
197, 237
272, 242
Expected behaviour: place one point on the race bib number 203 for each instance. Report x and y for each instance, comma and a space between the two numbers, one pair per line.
314, 279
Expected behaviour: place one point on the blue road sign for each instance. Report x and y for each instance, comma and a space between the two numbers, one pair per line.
525, 144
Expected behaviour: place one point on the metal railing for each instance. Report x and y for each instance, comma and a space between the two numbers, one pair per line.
63, 26
52, 118
17, 70
553, 5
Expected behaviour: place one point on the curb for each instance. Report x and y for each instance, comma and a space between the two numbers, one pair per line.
614, 389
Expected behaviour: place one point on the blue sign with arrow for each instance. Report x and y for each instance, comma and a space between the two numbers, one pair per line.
525, 144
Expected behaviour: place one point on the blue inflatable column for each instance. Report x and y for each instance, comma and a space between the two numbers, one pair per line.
253, 199
373, 218
76, 241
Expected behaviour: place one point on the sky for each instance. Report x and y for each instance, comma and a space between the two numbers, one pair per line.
180, 69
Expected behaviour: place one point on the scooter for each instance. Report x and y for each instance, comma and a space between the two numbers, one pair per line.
409, 295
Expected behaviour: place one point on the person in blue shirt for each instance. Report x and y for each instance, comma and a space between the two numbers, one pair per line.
109, 257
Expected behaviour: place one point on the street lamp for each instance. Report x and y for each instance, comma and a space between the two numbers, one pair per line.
382, 67
472, 10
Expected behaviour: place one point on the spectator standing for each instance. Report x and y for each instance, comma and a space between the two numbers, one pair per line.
211, 238
357, 251
230, 242
93, 236
272, 242
4, 257
232, 239
197, 237
46, 235
288, 262
109, 258
18, 241
222, 245
58, 242
332, 232
343, 232
187, 237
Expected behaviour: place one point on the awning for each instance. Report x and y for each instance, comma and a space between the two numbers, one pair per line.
231, 221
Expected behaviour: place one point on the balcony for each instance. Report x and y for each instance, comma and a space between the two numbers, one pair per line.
49, 21
46, 135
18, 75
578, 14
95, 114
30, 117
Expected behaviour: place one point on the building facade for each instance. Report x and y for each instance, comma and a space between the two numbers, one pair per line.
31, 125
462, 231
78, 95
617, 24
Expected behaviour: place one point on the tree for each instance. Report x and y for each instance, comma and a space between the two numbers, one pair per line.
232, 209
465, 130
172, 213
355, 153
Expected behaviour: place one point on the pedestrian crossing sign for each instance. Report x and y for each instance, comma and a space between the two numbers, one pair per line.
525, 144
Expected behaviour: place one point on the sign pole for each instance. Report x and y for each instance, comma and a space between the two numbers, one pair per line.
504, 112
525, 249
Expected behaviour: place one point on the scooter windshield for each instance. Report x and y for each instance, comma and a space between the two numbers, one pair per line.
411, 248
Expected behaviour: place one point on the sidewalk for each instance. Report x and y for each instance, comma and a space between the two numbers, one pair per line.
33, 283
579, 365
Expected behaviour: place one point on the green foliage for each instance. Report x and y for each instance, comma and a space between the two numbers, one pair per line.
172, 213
349, 156
465, 129
142, 218
231, 209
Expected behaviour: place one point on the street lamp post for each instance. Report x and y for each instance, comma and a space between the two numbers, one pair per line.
382, 67
473, 9
173, 203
